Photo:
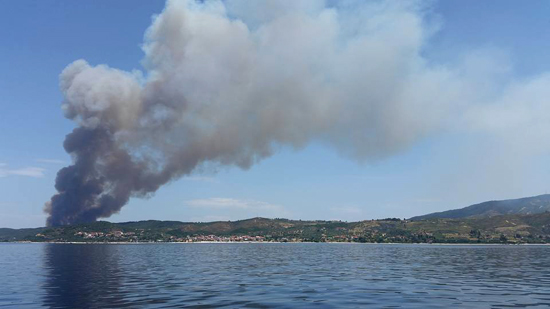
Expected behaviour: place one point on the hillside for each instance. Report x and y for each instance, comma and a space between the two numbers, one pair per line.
17, 234
496, 229
525, 206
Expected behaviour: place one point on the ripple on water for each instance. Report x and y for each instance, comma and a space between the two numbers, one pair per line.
273, 275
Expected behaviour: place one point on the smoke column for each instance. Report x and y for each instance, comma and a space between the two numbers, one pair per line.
226, 83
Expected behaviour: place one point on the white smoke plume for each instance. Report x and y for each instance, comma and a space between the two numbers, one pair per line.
228, 82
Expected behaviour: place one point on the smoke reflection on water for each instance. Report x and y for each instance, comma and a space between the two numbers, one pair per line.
82, 276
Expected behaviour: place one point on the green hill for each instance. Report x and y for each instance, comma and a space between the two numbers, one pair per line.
525, 206
534, 228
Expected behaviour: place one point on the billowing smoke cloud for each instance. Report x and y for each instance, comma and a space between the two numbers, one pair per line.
227, 83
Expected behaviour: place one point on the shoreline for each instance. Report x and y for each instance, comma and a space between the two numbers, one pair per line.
268, 242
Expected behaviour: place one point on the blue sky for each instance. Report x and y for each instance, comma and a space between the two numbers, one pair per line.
446, 169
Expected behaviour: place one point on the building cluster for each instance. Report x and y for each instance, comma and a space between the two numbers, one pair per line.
112, 234
142, 237
214, 238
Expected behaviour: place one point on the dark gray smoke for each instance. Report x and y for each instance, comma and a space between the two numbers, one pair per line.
226, 83
100, 181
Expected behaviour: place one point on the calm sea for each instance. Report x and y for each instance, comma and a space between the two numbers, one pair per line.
273, 275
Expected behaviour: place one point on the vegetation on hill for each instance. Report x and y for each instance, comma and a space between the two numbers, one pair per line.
497, 229
524, 206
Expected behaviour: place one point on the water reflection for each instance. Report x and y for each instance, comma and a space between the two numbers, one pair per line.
285, 275
82, 276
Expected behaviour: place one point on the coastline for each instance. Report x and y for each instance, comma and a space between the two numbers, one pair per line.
269, 242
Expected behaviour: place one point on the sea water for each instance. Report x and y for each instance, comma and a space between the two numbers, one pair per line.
266, 275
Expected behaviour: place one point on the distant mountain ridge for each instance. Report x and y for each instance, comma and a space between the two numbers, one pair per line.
521, 206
